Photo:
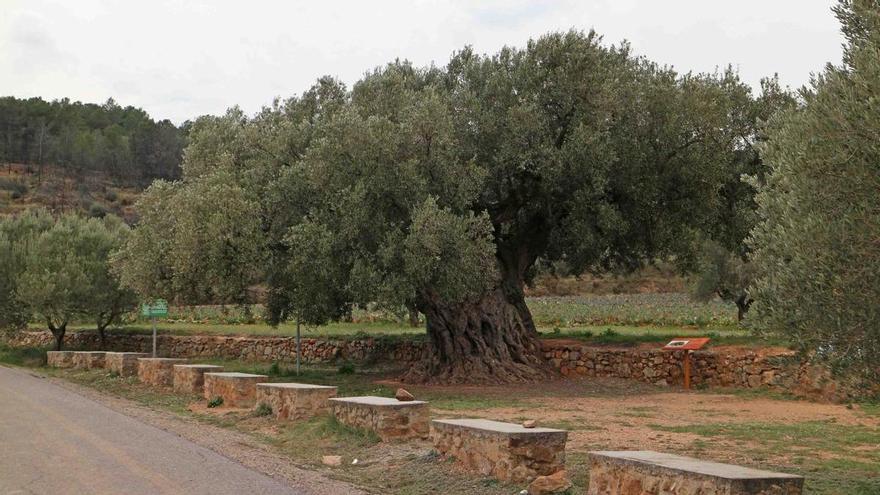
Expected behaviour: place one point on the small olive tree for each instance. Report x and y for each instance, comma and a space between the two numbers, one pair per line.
816, 247
64, 274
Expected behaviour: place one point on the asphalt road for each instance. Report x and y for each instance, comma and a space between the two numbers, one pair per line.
53, 441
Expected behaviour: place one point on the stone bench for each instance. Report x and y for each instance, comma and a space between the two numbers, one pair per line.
123, 363
655, 473
391, 419
59, 359
295, 400
158, 372
190, 378
236, 389
88, 360
506, 451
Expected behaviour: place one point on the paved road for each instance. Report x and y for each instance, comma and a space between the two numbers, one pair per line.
55, 441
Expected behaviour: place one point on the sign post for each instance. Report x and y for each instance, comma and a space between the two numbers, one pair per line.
298, 347
688, 345
158, 308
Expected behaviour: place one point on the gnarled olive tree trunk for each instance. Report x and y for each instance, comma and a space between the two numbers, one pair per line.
488, 340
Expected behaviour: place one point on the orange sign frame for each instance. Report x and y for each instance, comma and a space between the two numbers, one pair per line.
686, 344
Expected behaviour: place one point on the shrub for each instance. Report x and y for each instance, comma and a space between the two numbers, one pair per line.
17, 187
110, 195
97, 211
215, 402
263, 409
346, 369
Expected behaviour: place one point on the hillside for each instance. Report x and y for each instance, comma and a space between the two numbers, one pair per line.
91, 193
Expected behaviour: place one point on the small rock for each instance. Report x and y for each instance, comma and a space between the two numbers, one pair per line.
332, 460
354, 461
555, 483
403, 395
529, 423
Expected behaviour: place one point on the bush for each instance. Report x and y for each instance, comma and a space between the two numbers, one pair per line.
215, 402
17, 187
263, 409
97, 211
110, 195
346, 369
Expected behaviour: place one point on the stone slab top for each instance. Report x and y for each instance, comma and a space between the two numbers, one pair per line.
371, 400
128, 353
308, 386
496, 426
691, 465
162, 360
87, 352
200, 366
60, 352
235, 374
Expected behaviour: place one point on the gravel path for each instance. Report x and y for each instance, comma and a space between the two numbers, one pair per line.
59, 437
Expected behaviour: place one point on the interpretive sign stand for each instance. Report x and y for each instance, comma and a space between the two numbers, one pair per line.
688, 345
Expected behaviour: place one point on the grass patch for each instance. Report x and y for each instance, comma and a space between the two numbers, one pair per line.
834, 458
22, 356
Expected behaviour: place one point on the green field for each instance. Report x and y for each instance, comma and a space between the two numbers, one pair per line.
624, 318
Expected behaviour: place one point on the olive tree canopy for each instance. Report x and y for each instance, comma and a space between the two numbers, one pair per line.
816, 247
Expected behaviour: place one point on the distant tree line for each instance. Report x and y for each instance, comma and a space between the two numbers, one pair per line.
122, 142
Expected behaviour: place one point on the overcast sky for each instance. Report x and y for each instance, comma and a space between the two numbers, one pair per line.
182, 59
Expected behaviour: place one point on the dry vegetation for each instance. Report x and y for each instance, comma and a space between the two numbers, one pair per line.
56, 189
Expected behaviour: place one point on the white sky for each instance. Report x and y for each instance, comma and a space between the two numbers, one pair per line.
178, 60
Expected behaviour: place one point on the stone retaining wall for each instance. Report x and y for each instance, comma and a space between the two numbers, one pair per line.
266, 349
780, 370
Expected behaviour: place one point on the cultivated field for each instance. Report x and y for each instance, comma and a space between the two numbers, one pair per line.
605, 318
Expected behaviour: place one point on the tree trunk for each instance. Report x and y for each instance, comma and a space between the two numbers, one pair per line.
413, 315
102, 337
743, 302
488, 340
58, 333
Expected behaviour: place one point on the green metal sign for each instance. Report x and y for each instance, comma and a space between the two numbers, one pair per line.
157, 308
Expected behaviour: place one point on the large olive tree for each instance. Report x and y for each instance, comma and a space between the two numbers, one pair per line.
817, 247
440, 189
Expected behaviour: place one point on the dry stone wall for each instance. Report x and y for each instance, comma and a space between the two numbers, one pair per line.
266, 349
779, 370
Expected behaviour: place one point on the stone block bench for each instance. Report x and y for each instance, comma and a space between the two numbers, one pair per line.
158, 372
88, 360
506, 451
59, 359
236, 389
123, 363
295, 400
190, 378
391, 419
655, 473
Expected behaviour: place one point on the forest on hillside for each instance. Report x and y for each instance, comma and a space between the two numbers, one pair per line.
121, 143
